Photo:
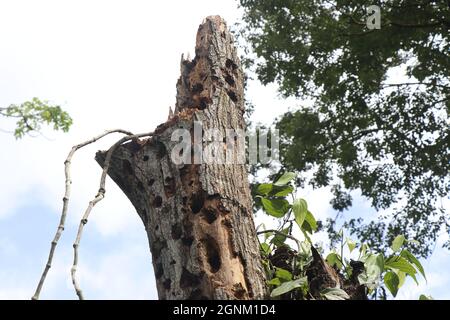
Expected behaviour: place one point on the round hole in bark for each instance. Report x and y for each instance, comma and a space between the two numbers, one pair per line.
197, 88
203, 103
188, 279
176, 232
197, 295
161, 151
230, 64
169, 186
197, 202
167, 283
212, 254
126, 166
159, 271
145, 158
151, 182
232, 95
210, 215
157, 202
187, 241
229, 79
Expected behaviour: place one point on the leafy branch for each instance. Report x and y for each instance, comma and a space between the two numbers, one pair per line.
297, 274
32, 114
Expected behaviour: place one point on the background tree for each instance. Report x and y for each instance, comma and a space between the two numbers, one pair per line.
32, 114
377, 120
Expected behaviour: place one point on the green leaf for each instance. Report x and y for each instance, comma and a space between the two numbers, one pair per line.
364, 248
401, 276
310, 223
334, 294
278, 240
274, 282
334, 259
46, 115
285, 179
265, 248
288, 286
264, 189
282, 191
424, 297
380, 261
411, 258
275, 207
300, 208
392, 281
398, 243
283, 274
402, 264
351, 245
374, 266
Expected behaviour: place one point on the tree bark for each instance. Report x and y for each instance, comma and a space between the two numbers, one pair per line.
198, 216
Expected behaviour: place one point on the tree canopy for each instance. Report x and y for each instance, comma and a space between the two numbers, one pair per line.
377, 103
32, 114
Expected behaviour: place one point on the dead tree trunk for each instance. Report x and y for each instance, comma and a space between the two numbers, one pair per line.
198, 217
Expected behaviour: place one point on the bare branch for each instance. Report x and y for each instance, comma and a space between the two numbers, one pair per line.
68, 183
98, 197
387, 85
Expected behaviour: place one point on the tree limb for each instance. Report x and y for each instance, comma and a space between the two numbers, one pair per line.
99, 196
68, 183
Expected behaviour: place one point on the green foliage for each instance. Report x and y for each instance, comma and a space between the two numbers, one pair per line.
383, 269
397, 243
392, 268
288, 286
32, 114
273, 198
392, 281
388, 138
334, 294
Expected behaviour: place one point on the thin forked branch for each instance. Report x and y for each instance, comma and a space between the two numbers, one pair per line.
68, 183
98, 197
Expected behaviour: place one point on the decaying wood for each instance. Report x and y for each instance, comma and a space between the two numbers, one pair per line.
198, 217
321, 276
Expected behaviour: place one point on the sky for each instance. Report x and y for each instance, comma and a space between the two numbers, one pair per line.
110, 64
